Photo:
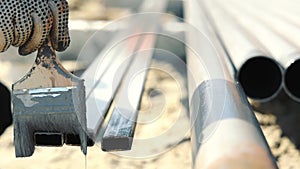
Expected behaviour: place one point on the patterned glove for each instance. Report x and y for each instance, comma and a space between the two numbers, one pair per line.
27, 23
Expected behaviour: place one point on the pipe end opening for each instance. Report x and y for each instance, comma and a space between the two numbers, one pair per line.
292, 80
260, 77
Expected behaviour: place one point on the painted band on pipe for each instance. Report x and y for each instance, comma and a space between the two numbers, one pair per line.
225, 131
230, 128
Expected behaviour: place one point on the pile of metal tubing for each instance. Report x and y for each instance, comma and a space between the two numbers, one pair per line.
262, 43
237, 48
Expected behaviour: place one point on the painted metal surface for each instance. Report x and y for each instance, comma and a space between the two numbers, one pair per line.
225, 132
104, 76
120, 129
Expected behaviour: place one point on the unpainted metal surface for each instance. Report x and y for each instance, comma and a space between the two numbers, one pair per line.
243, 48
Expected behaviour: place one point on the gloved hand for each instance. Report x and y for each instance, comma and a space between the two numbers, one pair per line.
27, 23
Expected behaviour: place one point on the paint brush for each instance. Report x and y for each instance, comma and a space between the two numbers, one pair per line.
48, 104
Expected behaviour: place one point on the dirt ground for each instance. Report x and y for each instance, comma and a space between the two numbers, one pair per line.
162, 136
279, 120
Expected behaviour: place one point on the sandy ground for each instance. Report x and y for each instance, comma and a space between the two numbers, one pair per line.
279, 121
163, 123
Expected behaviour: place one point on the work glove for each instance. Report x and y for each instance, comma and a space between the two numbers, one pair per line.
27, 23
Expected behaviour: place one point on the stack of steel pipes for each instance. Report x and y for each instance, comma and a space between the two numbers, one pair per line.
262, 43
225, 61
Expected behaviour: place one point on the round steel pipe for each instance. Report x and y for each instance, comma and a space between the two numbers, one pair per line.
225, 132
257, 71
289, 31
291, 80
268, 30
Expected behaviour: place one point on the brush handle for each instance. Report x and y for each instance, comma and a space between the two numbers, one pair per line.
47, 71
46, 56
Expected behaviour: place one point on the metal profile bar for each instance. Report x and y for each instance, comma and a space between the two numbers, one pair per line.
225, 132
285, 51
257, 71
121, 126
104, 60
102, 84
99, 77
120, 130
100, 98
